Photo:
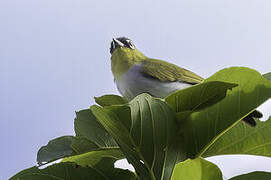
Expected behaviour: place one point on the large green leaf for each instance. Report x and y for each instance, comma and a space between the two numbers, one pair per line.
90, 136
99, 149
196, 169
202, 128
55, 149
81, 145
63, 147
71, 171
92, 158
85, 154
82, 152
199, 96
119, 131
110, 99
86, 125
258, 175
79, 150
101, 159
144, 130
243, 139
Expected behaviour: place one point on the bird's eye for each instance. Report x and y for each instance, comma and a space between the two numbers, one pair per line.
130, 44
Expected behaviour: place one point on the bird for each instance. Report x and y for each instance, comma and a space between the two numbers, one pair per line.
134, 73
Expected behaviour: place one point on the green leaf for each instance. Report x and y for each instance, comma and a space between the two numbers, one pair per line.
92, 158
198, 97
63, 147
203, 128
71, 171
85, 154
55, 149
144, 130
110, 99
98, 147
114, 126
86, 125
267, 76
243, 139
82, 145
79, 150
82, 152
119, 174
257, 175
90, 136
100, 159
196, 169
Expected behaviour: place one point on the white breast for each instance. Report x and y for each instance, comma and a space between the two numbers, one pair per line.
133, 83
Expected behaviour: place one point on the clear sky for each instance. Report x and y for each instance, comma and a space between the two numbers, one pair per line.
54, 58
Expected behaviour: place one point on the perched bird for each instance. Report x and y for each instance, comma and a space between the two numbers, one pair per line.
134, 73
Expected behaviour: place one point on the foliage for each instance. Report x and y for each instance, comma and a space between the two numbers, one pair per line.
196, 169
258, 175
163, 138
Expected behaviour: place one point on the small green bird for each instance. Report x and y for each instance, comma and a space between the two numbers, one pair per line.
134, 73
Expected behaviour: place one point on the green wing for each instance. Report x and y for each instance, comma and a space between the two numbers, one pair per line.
165, 71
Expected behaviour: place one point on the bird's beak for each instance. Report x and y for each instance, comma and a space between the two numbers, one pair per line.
117, 43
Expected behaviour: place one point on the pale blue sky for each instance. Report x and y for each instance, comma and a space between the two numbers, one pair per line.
54, 58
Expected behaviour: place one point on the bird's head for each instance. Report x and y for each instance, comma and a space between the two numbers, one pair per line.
124, 55
122, 43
